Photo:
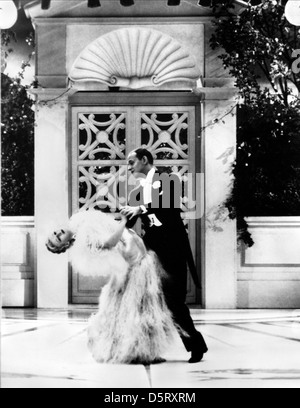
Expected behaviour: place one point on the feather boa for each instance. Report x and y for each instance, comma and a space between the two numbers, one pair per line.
93, 229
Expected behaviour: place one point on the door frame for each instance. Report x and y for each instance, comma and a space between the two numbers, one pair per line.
147, 98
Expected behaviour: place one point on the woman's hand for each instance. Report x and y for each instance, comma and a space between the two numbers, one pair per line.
131, 212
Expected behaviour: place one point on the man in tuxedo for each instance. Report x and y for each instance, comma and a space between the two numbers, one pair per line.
157, 202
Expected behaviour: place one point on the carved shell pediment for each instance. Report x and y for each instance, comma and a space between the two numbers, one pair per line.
134, 58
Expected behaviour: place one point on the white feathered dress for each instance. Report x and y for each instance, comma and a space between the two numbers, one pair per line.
133, 324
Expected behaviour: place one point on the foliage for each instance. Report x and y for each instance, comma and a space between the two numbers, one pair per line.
259, 45
17, 143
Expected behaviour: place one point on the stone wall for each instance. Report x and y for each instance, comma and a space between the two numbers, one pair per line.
18, 261
269, 272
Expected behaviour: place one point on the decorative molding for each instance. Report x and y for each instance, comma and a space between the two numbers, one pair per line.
67, 21
275, 275
18, 221
264, 258
264, 222
135, 98
134, 58
53, 94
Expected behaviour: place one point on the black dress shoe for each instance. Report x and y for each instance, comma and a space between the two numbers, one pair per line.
197, 356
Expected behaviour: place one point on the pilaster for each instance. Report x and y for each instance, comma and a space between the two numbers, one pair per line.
52, 195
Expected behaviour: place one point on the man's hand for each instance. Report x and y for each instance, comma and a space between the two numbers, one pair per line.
131, 212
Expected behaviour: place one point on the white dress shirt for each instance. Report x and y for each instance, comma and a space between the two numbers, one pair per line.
147, 185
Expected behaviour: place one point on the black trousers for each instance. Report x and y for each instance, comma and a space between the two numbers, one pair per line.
175, 296
175, 289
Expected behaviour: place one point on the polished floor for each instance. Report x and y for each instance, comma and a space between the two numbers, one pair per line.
248, 349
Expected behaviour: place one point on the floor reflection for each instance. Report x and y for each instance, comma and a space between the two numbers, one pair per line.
247, 349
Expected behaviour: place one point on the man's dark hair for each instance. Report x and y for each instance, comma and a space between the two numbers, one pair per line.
140, 153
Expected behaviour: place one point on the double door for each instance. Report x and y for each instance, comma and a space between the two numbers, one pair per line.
102, 138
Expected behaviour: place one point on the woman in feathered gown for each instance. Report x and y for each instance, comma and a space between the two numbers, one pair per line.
133, 324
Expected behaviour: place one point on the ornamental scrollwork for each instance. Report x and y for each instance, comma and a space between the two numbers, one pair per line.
102, 139
166, 135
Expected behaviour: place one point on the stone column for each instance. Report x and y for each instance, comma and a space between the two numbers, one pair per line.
220, 249
51, 196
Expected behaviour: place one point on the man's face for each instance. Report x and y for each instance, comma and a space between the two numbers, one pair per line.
135, 166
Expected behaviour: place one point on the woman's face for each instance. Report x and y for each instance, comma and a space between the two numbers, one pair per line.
61, 237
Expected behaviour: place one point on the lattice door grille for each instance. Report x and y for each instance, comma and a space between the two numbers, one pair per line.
102, 137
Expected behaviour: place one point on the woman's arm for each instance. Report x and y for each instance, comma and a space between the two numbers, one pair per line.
132, 247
